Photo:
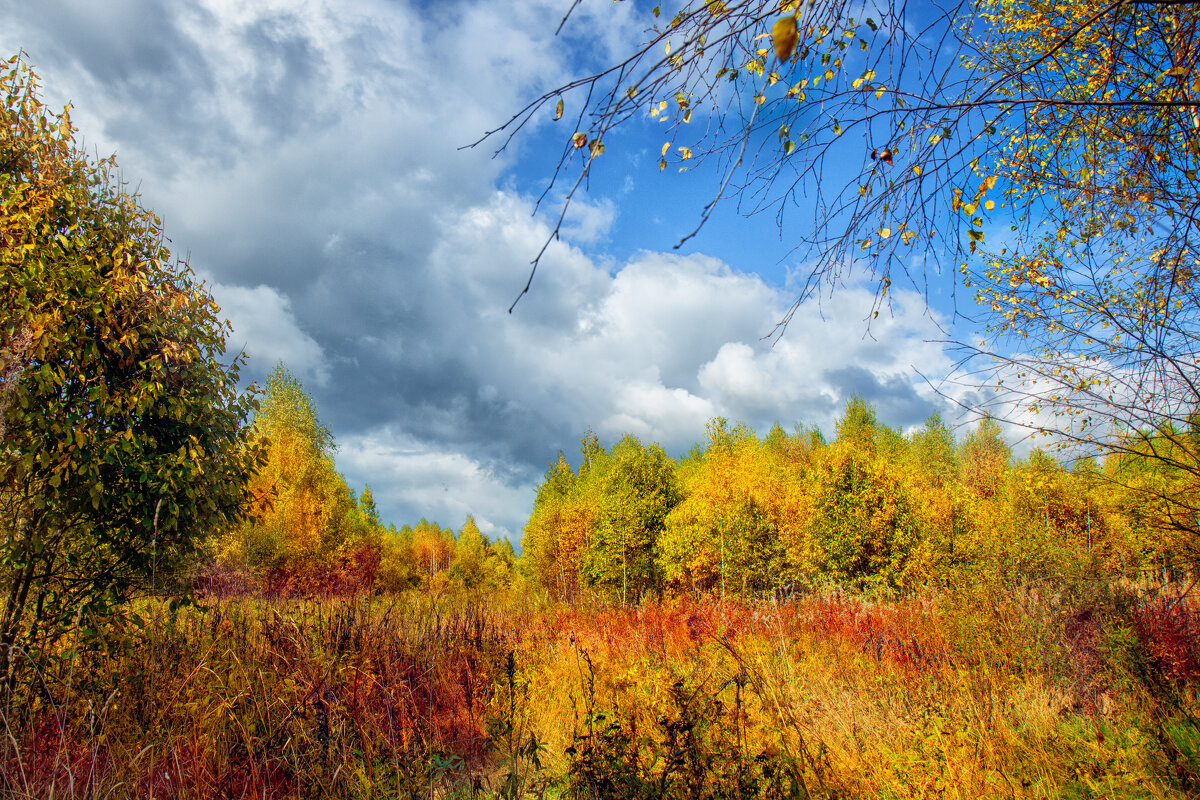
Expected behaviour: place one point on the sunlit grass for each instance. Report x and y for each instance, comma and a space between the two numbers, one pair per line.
439, 696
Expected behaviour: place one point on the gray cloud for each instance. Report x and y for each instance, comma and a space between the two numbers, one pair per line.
306, 155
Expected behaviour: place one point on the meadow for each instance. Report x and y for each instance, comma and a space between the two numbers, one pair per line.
1076, 692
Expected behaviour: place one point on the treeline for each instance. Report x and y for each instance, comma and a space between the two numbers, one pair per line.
870, 510
307, 530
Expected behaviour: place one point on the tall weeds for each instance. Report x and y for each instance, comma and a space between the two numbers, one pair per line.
1017, 694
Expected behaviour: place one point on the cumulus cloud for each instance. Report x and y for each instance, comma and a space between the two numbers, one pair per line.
266, 330
447, 485
306, 155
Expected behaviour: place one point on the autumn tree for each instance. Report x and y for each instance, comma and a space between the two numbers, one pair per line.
861, 530
984, 456
939, 499
636, 487
303, 511
894, 142
739, 514
1157, 498
559, 528
478, 563
598, 528
433, 550
123, 438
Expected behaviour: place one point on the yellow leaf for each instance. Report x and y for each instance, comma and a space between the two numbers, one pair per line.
666, 147
685, 153
558, 110
885, 233
784, 36
579, 139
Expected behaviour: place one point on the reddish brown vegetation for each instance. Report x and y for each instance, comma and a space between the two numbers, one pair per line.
902, 633
52, 755
1170, 634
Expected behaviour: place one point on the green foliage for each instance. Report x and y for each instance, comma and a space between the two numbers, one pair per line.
598, 529
121, 423
862, 530
366, 505
636, 487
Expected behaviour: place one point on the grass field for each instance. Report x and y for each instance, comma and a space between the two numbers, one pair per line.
1025, 694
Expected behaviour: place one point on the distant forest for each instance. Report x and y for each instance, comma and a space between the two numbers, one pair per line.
870, 510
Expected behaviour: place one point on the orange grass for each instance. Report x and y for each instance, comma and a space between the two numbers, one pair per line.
1025, 695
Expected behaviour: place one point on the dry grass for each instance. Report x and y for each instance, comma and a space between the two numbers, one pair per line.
419, 695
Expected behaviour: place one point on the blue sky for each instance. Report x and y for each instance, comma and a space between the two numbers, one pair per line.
304, 155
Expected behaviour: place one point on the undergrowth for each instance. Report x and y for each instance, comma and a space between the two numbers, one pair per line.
1025, 693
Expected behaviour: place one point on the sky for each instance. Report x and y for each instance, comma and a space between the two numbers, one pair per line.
306, 158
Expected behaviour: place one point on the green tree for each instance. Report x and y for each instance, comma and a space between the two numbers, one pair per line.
366, 504
861, 529
123, 429
636, 488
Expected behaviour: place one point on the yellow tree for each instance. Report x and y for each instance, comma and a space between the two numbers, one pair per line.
939, 500
433, 552
560, 527
728, 533
1094, 313
302, 505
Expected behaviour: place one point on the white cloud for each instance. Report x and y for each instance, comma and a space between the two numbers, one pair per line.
445, 485
265, 328
306, 155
